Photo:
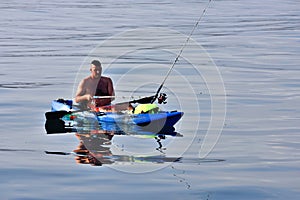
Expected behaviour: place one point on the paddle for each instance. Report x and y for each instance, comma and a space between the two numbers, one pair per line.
52, 115
59, 114
57, 126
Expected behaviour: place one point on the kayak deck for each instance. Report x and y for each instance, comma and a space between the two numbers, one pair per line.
158, 122
154, 122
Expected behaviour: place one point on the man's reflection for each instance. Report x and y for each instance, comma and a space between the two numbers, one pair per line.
94, 148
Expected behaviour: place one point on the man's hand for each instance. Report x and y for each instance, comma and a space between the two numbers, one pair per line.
88, 97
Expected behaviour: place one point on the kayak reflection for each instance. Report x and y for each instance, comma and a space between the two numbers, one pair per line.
95, 149
95, 143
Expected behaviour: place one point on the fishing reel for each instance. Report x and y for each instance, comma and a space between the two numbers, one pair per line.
162, 98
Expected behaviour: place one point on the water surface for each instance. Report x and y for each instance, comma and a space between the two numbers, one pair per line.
255, 46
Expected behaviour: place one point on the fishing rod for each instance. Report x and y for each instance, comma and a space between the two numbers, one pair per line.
180, 52
123, 97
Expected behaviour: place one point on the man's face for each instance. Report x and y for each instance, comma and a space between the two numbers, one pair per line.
96, 71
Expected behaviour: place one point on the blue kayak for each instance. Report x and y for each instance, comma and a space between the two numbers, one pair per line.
157, 121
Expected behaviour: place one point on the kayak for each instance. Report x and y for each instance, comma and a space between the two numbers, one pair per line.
153, 120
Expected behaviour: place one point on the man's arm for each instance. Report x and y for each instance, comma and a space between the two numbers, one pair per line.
80, 94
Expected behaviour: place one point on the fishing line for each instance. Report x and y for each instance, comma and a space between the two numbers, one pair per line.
181, 50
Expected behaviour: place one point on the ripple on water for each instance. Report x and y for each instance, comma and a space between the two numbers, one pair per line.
24, 85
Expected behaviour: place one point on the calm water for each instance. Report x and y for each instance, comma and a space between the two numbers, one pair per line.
46, 45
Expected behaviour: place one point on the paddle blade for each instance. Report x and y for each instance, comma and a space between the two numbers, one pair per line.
56, 114
55, 126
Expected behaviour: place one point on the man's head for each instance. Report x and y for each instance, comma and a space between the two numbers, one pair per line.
96, 68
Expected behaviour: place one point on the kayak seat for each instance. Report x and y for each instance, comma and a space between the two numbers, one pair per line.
146, 108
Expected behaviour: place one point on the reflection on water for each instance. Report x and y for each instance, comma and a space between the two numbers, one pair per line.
95, 142
95, 149
24, 85
96, 146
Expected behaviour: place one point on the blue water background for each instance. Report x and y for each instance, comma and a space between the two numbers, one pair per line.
255, 45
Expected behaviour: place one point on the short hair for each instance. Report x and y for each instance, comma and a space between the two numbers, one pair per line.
96, 63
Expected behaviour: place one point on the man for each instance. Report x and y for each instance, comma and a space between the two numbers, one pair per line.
95, 85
